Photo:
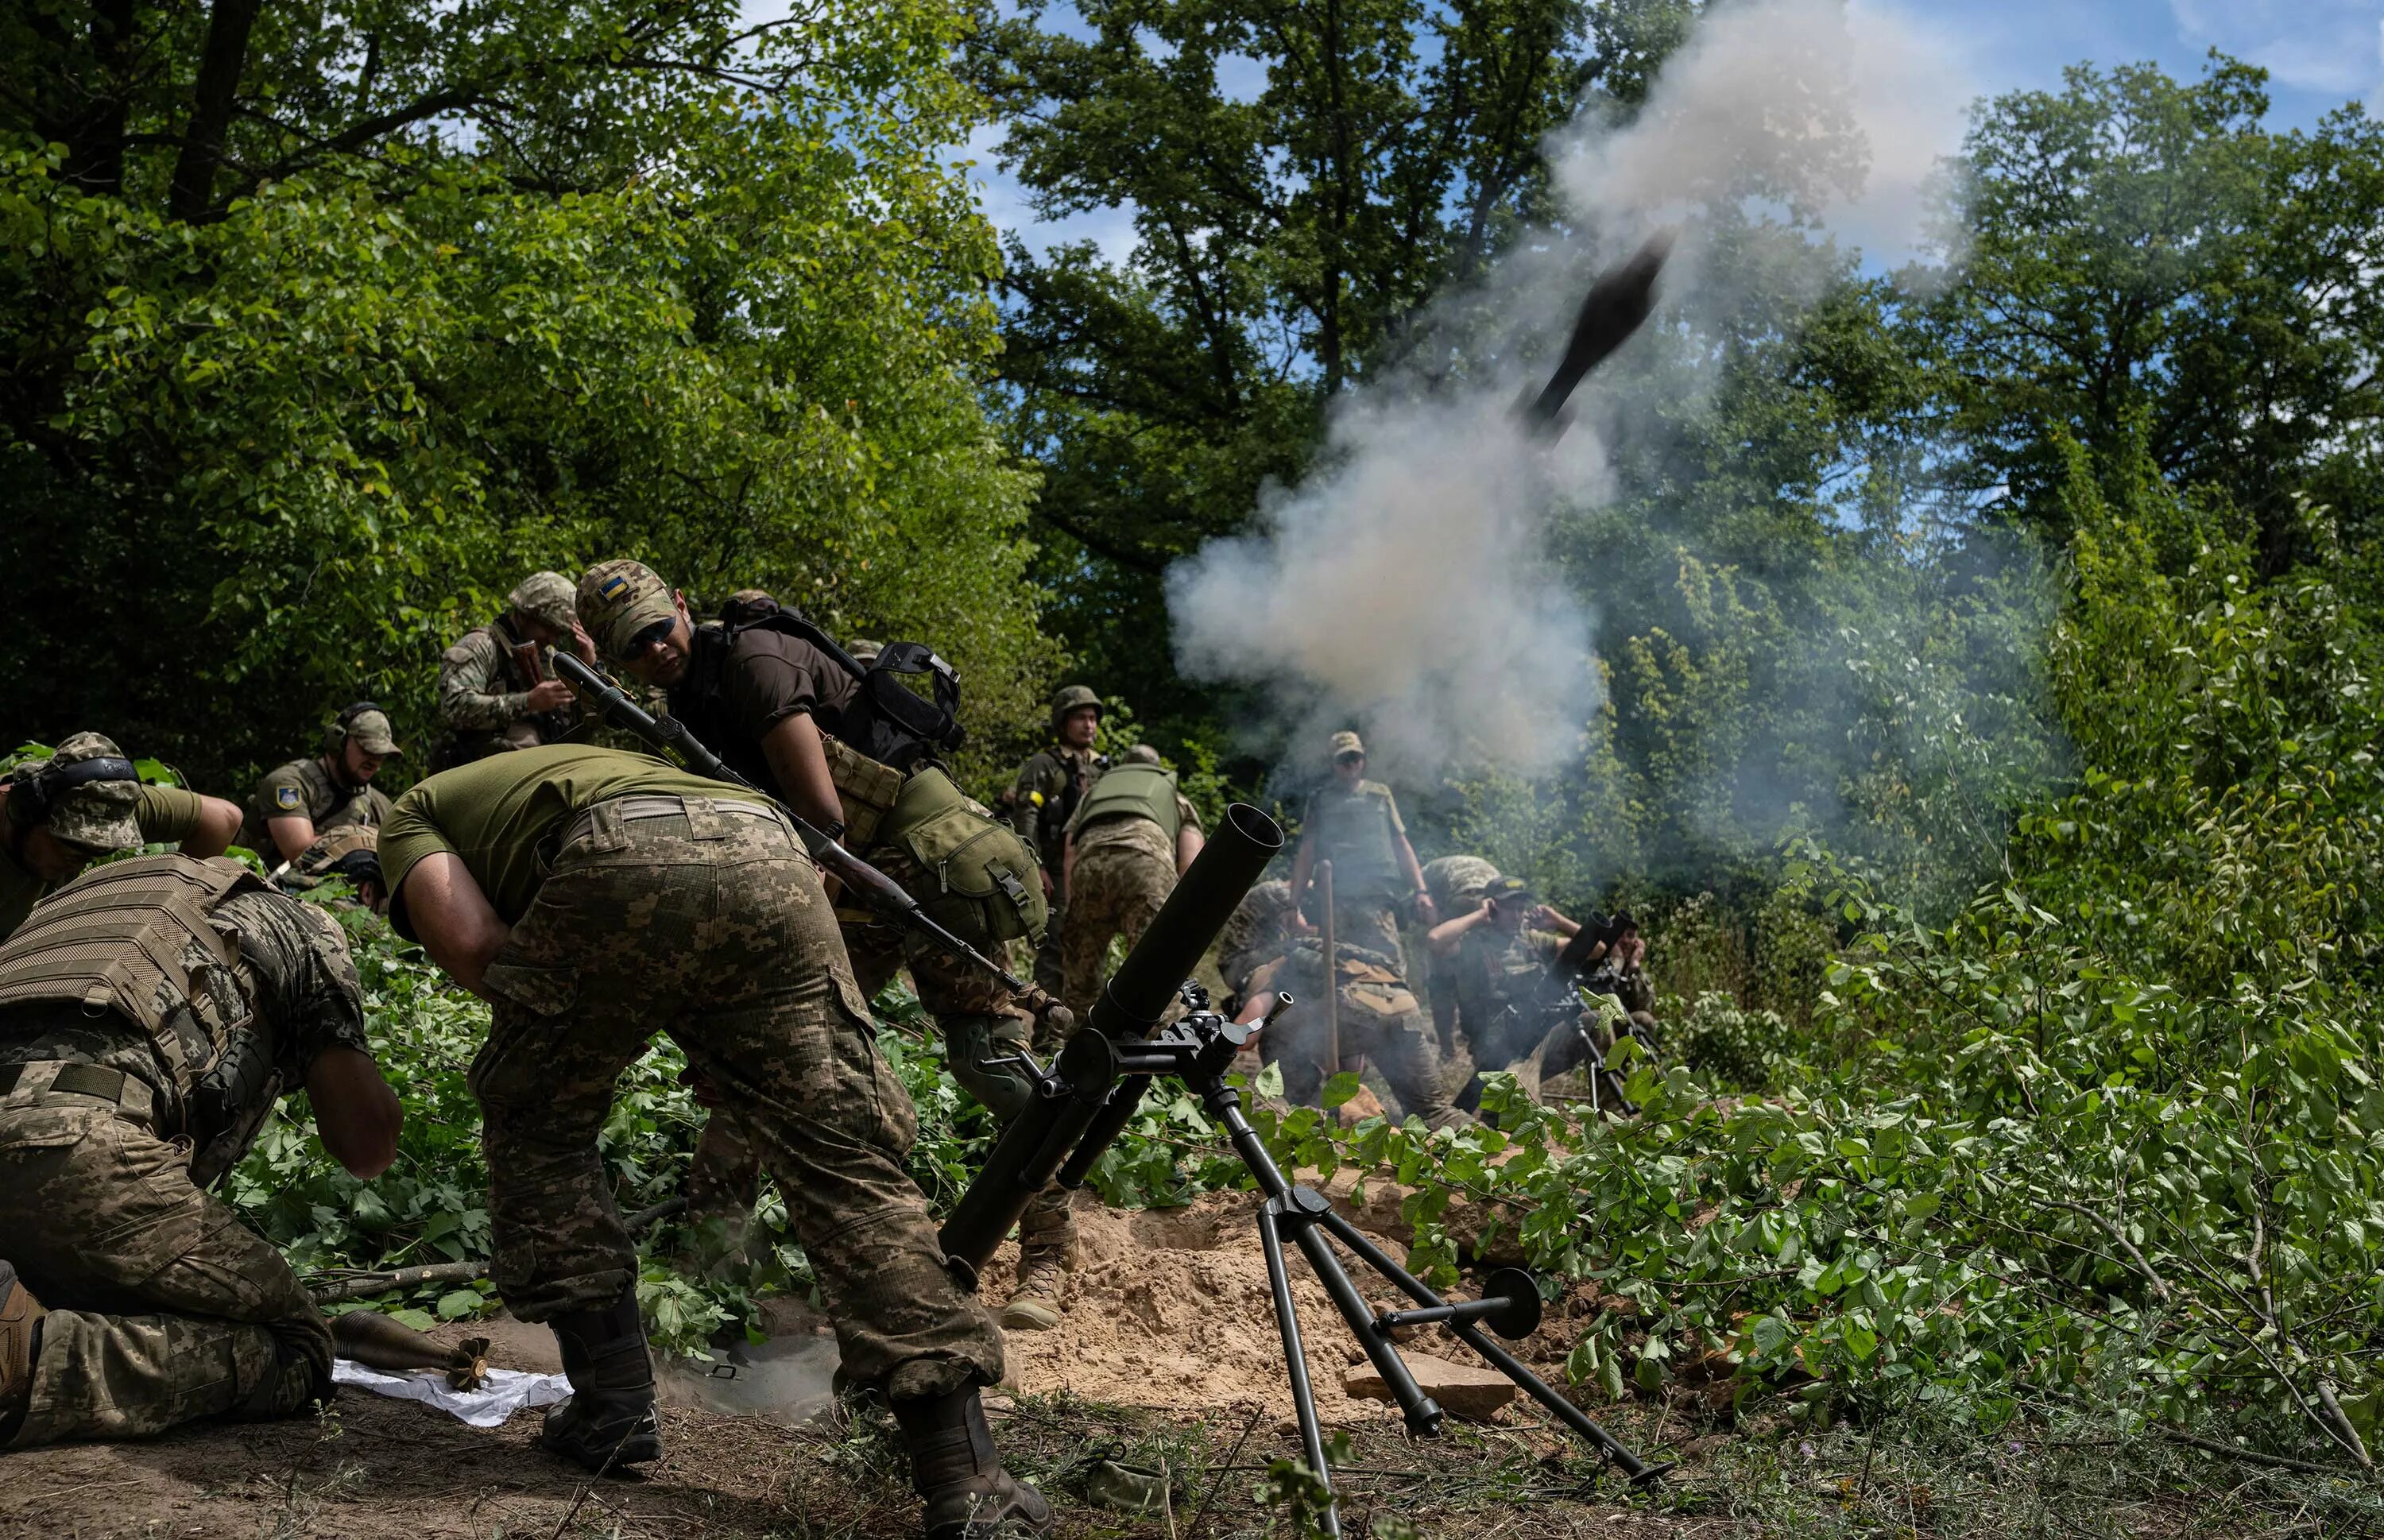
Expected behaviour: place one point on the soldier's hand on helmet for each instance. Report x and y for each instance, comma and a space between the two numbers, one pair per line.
1543, 917
548, 695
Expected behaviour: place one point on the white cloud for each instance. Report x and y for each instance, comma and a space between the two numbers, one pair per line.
2332, 45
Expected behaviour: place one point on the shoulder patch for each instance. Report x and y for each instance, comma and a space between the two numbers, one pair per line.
285, 796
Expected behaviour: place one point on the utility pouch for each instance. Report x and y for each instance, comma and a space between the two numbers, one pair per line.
866, 790
982, 881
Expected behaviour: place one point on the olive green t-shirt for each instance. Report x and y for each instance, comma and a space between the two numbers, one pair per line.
167, 815
494, 814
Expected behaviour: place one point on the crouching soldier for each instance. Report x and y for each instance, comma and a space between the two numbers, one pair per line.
595, 899
150, 1014
1376, 1018
60, 815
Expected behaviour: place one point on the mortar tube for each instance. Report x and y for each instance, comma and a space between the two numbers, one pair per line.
1030, 1149
1135, 1000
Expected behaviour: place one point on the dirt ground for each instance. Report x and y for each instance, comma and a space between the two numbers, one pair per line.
1170, 1359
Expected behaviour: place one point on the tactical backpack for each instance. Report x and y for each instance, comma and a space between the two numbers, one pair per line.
887, 720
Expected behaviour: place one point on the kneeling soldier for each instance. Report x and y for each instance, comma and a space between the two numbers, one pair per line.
596, 898
1377, 1018
150, 1013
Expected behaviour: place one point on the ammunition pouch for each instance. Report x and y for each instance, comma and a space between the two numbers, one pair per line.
982, 883
865, 789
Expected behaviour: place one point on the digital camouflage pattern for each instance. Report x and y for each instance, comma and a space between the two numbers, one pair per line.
547, 598
163, 816
97, 816
1380, 1022
163, 1306
1254, 933
484, 698
1501, 980
715, 929
616, 600
1125, 868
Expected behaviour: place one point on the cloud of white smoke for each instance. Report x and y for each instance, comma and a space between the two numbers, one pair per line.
1403, 587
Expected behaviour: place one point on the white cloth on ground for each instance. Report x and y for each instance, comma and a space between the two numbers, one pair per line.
506, 1392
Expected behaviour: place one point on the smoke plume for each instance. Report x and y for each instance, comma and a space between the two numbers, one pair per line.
1404, 586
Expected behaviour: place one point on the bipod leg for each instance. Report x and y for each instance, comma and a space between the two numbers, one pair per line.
1303, 1397
1598, 1438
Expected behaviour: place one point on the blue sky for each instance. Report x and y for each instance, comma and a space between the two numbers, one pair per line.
2319, 52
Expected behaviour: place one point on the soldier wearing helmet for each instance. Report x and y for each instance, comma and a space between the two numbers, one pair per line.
495, 690
1043, 799
86, 801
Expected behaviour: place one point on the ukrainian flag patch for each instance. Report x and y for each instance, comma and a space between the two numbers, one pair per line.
612, 590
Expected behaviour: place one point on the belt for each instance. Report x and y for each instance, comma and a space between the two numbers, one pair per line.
46, 1077
638, 808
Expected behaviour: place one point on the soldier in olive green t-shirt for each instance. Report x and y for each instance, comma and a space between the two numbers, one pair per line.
596, 899
91, 818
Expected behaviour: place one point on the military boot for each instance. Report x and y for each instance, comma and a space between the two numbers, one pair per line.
21, 1338
609, 1422
954, 1466
1034, 1303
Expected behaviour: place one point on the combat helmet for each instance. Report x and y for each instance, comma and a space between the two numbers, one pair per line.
1457, 882
1069, 698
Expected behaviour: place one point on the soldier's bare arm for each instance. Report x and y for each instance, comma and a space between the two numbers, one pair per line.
792, 747
218, 826
355, 1112
1188, 846
289, 836
453, 918
1445, 937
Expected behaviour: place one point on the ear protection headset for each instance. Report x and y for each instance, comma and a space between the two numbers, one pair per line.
335, 737
32, 796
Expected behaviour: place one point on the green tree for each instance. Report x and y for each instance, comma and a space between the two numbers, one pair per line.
2142, 255
326, 323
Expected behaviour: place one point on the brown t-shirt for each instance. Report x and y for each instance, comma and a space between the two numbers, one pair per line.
770, 677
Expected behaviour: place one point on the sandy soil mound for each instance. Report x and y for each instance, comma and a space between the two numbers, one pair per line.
1170, 1310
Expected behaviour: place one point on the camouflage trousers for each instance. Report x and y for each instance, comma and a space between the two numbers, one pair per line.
1401, 1048
979, 1023
1117, 890
164, 1307
710, 926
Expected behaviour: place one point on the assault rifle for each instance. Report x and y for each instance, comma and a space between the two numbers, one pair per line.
865, 882
1087, 1096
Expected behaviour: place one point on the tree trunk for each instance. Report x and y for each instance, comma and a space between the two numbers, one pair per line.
222, 63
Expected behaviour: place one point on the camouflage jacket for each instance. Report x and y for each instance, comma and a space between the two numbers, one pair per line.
483, 690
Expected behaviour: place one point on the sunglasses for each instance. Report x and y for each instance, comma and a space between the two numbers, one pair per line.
647, 640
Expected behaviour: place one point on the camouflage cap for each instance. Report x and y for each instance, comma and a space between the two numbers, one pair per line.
1506, 891
1347, 743
95, 815
545, 597
322, 858
617, 600
370, 731
863, 650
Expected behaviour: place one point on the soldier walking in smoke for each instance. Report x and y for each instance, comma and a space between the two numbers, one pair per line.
494, 694
1129, 839
60, 815
1041, 804
307, 798
1354, 823
596, 898
149, 1016
854, 750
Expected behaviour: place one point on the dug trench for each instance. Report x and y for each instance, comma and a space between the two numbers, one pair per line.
1168, 1361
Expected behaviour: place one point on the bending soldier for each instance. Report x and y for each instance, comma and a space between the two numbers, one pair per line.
854, 750
1377, 1020
1353, 823
1127, 842
150, 1015
596, 898
307, 798
494, 694
1502, 957
1041, 804
86, 801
